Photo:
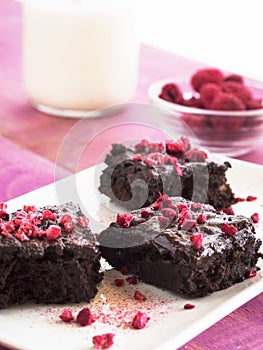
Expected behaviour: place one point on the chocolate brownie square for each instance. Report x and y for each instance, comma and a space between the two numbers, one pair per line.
134, 176
47, 255
186, 247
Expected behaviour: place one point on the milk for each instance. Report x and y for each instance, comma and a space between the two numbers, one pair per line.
79, 55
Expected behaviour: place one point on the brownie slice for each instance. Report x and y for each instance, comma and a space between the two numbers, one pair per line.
186, 247
47, 255
135, 176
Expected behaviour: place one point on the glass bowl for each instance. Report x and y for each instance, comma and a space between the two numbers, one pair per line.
231, 133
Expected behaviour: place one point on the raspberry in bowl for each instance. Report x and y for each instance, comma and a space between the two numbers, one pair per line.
224, 111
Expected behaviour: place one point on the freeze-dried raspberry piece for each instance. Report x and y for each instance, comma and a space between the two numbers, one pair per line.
53, 232
255, 218
169, 213
139, 296
163, 221
228, 211
194, 120
229, 229
196, 240
226, 101
146, 213
85, 317
234, 77
201, 219
206, 75
66, 315
132, 279
237, 89
189, 306
196, 155
48, 215
172, 93
178, 148
124, 220
140, 320
251, 198
103, 341
119, 282
208, 92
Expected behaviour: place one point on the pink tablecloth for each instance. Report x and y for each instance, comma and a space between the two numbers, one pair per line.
30, 148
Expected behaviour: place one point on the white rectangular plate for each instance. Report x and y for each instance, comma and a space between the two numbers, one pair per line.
37, 327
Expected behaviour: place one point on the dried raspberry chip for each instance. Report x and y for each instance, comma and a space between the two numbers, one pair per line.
196, 155
196, 240
169, 213
21, 236
29, 208
83, 221
206, 75
124, 270
251, 273
201, 219
208, 92
132, 279
124, 220
85, 317
229, 229
188, 225
189, 306
163, 221
4, 215
48, 215
119, 282
53, 232
171, 93
140, 320
251, 198
103, 341
3, 206
255, 218
178, 148
155, 147
66, 315
228, 211
139, 296
146, 213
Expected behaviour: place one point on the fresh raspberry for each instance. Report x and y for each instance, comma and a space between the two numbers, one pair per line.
206, 75
171, 93
254, 103
237, 89
234, 77
227, 102
194, 102
208, 92
194, 120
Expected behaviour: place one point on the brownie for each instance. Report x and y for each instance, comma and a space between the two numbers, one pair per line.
134, 176
186, 247
47, 255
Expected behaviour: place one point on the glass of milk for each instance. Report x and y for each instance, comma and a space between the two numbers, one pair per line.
79, 56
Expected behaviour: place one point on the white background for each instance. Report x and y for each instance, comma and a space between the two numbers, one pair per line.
225, 33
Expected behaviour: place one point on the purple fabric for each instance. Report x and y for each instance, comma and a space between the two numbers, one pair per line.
22, 171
